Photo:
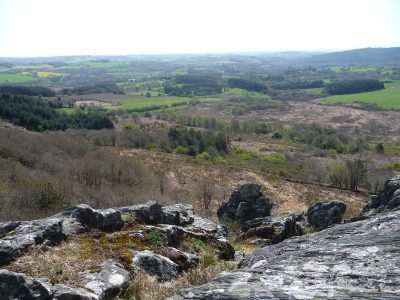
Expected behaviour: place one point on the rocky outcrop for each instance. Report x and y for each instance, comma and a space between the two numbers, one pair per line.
246, 203
387, 199
252, 211
324, 214
106, 284
155, 265
161, 228
354, 260
272, 229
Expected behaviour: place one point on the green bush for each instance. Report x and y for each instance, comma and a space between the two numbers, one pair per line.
379, 148
198, 244
204, 155
245, 154
219, 160
156, 238
277, 134
274, 158
181, 150
151, 146
167, 149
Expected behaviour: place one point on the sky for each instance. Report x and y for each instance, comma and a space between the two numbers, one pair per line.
102, 27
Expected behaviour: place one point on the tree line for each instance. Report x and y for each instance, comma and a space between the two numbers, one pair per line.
300, 84
98, 88
354, 86
27, 90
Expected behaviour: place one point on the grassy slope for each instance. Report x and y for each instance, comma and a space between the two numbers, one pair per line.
387, 98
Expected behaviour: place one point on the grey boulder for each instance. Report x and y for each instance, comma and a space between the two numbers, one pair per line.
155, 265
324, 214
178, 214
27, 234
18, 286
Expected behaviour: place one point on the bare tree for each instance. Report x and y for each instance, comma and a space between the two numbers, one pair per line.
205, 193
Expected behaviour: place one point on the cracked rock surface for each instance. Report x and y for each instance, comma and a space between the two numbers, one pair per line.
354, 260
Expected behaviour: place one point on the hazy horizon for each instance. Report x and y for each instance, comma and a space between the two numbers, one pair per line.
44, 28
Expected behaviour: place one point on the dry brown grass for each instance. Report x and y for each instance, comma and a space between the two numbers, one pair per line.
180, 184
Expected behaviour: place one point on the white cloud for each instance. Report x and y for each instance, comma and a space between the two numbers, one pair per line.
66, 27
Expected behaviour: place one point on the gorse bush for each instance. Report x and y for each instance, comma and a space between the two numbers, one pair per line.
47, 196
198, 141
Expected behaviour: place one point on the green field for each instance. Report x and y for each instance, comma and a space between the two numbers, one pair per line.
387, 98
238, 91
109, 64
140, 102
68, 110
14, 78
143, 93
316, 91
353, 69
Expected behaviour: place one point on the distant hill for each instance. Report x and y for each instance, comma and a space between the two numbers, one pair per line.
366, 56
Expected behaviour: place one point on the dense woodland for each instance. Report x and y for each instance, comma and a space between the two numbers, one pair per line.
38, 114
354, 86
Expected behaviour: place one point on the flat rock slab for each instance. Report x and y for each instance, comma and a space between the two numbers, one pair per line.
109, 282
63, 292
354, 260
